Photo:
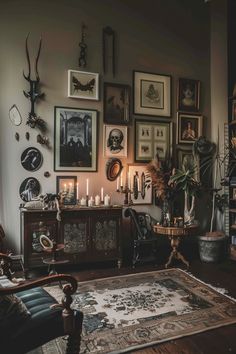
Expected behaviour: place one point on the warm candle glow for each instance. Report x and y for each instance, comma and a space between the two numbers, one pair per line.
129, 182
102, 194
87, 186
121, 179
138, 183
77, 191
117, 183
65, 187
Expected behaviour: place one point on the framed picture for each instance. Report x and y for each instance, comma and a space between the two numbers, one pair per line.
185, 158
67, 185
234, 110
188, 95
189, 127
31, 159
82, 84
144, 195
115, 141
75, 139
116, 103
152, 137
152, 94
234, 193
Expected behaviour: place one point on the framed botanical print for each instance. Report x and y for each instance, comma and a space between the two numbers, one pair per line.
151, 138
152, 94
75, 139
83, 85
189, 127
143, 195
67, 186
188, 95
115, 141
116, 103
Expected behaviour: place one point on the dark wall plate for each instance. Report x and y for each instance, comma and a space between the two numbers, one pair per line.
31, 159
113, 168
29, 189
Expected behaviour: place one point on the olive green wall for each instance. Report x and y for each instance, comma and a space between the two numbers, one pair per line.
160, 36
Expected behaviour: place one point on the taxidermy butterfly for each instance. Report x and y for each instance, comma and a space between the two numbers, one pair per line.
79, 86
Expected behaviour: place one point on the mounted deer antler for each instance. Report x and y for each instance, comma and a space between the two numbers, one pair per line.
33, 93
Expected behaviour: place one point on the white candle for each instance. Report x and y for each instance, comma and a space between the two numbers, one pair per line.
107, 200
138, 183
87, 186
129, 184
70, 187
117, 183
97, 200
121, 179
102, 193
77, 191
65, 187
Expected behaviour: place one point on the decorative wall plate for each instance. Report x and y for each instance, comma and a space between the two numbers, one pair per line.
113, 168
31, 159
29, 189
14, 115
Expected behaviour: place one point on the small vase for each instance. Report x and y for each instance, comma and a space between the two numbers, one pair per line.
166, 212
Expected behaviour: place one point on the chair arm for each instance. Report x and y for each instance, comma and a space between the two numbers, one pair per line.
68, 289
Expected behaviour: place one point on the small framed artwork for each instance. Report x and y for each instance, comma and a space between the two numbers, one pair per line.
189, 127
75, 139
115, 141
234, 193
185, 159
84, 85
152, 94
188, 95
29, 189
31, 159
234, 110
137, 175
67, 186
152, 138
116, 103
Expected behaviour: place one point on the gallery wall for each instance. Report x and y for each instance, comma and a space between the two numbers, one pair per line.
165, 37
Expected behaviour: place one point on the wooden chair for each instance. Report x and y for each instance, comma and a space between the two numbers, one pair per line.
144, 240
48, 319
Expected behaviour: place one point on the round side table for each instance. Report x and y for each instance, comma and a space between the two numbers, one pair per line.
175, 234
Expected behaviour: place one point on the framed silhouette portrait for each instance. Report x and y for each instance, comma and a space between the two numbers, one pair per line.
31, 159
188, 95
29, 189
115, 141
189, 128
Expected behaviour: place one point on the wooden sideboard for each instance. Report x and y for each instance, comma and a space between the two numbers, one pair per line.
89, 234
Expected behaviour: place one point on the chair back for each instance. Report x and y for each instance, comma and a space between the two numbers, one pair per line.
141, 222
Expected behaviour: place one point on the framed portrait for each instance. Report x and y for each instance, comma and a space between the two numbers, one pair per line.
188, 95
152, 137
115, 141
84, 85
234, 110
75, 139
234, 193
29, 189
116, 103
137, 173
189, 127
67, 185
152, 94
31, 159
185, 158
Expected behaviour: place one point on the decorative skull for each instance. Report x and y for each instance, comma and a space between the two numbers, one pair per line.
115, 139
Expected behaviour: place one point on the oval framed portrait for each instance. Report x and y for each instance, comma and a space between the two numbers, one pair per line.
31, 159
29, 189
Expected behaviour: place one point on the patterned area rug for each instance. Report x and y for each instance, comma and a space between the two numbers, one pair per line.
134, 311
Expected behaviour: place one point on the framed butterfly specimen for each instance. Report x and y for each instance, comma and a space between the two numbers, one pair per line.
83, 85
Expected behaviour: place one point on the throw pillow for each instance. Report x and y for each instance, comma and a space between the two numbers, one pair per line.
12, 309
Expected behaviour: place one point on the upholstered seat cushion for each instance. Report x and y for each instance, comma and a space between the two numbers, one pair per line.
43, 325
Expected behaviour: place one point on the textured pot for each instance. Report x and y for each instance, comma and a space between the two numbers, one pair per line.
211, 248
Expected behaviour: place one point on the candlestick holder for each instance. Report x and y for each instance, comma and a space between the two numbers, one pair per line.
87, 199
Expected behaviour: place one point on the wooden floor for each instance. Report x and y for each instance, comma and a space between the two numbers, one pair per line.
217, 341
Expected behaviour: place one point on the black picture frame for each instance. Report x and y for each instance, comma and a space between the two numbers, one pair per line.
75, 139
67, 185
116, 103
152, 137
188, 95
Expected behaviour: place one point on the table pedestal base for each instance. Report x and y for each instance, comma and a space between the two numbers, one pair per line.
174, 241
